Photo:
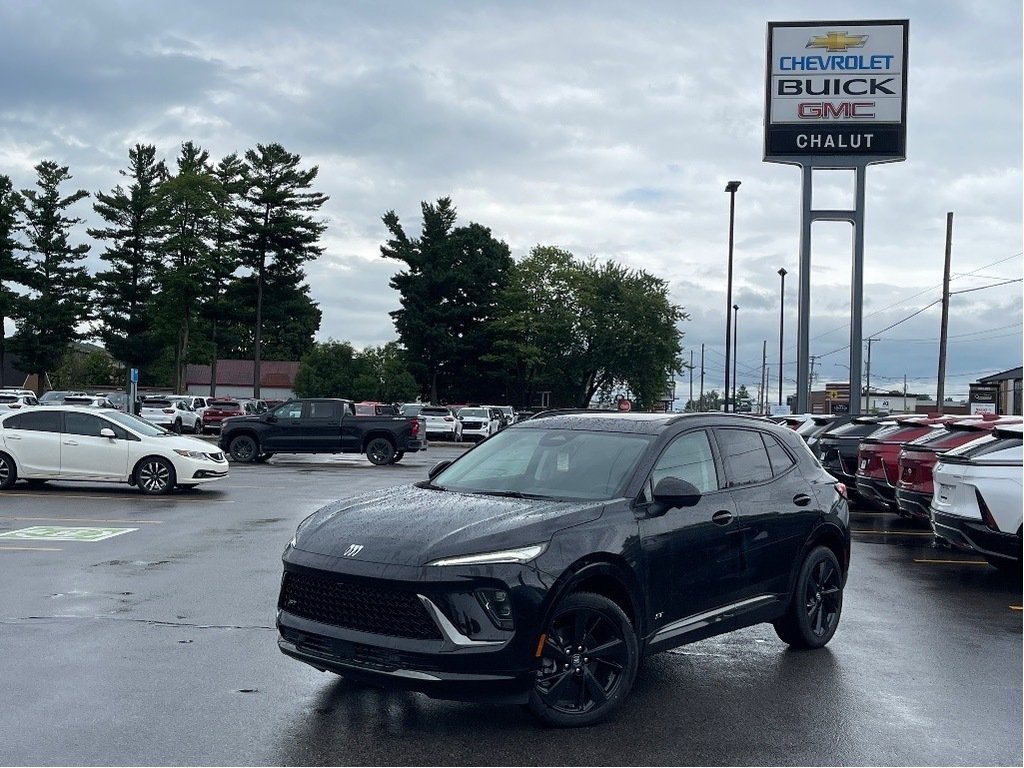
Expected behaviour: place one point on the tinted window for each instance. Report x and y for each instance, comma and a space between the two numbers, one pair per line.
435, 412
689, 457
84, 424
324, 409
289, 411
46, 421
852, 429
156, 403
744, 457
8, 399
781, 460
473, 413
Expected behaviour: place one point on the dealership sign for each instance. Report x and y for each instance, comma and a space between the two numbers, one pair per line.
836, 90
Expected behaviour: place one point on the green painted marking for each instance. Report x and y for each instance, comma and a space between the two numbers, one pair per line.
64, 533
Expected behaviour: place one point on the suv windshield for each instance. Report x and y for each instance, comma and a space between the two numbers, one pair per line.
550, 463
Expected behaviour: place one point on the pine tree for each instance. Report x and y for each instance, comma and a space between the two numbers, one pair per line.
190, 201
126, 291
58, 300
12, 264
277, 226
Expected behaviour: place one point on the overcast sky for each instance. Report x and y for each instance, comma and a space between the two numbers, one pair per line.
605, 128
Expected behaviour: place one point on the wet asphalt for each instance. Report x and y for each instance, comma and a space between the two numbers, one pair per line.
157, 647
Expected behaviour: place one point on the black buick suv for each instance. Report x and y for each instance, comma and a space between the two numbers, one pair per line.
543, 564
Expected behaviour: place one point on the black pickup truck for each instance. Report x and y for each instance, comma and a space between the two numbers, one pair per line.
322, 425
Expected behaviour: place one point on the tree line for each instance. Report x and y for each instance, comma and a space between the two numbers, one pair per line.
202, 260
205, 260
477, 326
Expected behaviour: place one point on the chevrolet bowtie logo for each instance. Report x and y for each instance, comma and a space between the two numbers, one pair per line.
837, 41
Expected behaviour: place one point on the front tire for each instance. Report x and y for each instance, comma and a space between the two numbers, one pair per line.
244, 449
8, 472
155, 476
380, 451
589, 662
263, 458
817, 602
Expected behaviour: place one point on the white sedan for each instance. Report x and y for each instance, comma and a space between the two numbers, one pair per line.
82, 443
979, 497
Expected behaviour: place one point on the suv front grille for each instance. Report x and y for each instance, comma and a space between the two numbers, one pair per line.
380, 610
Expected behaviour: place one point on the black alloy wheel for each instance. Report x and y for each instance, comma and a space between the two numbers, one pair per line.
155, 476
397, 457
244, 449
817, 603
8, 472
588, 663
380, 451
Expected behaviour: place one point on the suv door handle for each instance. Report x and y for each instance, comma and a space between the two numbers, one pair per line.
722, 517
70, 442
801, 499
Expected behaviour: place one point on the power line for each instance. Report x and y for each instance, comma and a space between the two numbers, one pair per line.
985, 287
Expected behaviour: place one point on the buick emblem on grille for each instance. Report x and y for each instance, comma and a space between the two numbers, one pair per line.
353, 550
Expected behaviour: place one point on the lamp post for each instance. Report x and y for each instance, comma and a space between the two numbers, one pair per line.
731, 188
782, 317
735, 351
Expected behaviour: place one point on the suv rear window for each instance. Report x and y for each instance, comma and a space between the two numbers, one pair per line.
435, 412
986, 445
230, 406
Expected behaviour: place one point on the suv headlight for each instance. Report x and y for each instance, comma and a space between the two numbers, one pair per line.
519, 555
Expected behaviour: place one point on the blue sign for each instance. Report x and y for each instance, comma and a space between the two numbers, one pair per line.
135, 375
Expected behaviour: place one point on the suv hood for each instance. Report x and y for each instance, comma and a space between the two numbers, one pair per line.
409, 525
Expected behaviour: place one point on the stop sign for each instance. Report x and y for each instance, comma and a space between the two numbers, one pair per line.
625, 405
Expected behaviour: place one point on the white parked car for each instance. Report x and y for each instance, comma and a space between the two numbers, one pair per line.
441, 422
978, 497
175, 415
478, 423
196, 402
10, 401
90, 401
82, 443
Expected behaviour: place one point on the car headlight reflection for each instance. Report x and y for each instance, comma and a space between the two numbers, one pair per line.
192, 454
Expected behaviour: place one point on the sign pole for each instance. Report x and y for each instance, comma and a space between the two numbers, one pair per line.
857, 293
803, 329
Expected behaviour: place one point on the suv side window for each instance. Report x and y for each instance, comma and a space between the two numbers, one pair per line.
744, 456
780, 458
689, 457
48, 421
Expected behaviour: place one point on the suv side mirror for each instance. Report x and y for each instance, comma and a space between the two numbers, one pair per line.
438, 468
673, 493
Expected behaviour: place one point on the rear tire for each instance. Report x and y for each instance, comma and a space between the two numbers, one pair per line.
176, 428
397, 457
8, 472
817, 602
380, 451
263, 457
589, 662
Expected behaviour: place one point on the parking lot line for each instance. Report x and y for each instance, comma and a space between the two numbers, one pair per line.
31, 549
85, 520
894, 533
951, 562
149, 499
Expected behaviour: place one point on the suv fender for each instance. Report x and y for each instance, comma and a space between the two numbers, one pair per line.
827, 535
604, 574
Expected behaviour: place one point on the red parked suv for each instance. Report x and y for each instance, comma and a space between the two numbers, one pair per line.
915, 489
217, 410
879, 455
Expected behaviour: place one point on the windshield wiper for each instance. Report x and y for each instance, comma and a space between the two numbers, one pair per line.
511, 494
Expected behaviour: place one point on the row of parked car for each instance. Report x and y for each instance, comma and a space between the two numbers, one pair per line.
456, 423
961, 474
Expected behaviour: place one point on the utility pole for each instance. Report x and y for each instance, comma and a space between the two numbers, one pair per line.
691, 378
701, 406
940, 393
764, 363
905, 393
868, 385
810, 380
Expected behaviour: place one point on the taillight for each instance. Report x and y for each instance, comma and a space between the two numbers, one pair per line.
986, 513
841, 489
415, 427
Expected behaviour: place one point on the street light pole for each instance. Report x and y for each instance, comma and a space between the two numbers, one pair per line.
731, 188
782, 318
735, 350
